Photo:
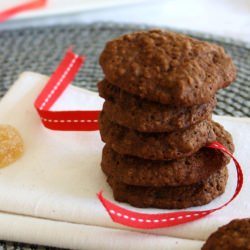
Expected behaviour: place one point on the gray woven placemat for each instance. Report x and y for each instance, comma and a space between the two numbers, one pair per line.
40, 50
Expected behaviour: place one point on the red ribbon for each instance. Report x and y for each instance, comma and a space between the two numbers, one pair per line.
88, 121
34, 4
150, 221
79, 120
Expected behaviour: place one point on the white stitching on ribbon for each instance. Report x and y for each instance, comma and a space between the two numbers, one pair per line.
66, 72
156, 220
69, 121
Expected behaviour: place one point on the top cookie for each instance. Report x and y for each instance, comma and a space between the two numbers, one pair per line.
233, 236
167, 67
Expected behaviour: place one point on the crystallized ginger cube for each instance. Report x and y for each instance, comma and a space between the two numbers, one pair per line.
11, 145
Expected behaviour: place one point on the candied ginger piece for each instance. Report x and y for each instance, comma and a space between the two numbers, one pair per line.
11, 145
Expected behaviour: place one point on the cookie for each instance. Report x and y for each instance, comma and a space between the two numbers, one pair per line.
171, 197
223, 136
233, 236
140, 172
145, 116
185, 171
167, 67
156, 146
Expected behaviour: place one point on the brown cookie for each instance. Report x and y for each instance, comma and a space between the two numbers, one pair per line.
233, 236
185, 171
145, 116
140, 172
223, 136
171, 197
156, 146
167, 67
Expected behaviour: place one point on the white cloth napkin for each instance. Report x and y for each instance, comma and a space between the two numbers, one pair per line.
79, 236
59, 175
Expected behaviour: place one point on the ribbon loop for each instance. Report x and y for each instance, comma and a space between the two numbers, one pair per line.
151, 221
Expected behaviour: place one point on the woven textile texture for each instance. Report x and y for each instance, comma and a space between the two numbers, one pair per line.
41, 49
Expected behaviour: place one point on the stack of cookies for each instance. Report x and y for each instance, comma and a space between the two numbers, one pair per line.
159, 90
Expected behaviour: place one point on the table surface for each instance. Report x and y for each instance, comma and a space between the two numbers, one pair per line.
225, 17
